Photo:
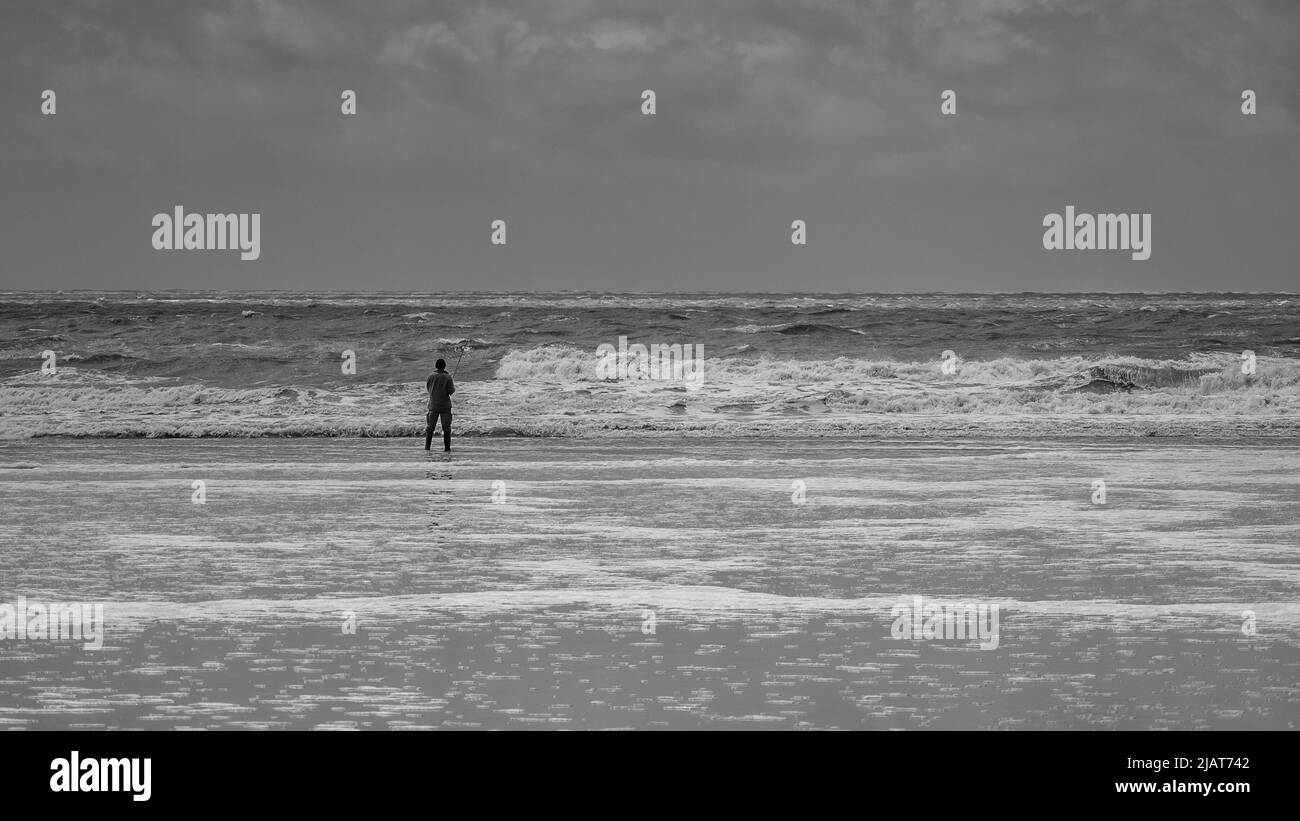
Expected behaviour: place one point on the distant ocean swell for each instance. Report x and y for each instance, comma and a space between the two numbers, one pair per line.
262, 365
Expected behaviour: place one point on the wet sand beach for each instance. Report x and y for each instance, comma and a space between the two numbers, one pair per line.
653, 583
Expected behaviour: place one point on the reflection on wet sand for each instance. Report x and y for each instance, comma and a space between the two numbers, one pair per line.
565, 669
526, 609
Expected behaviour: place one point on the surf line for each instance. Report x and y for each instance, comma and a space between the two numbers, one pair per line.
208, 232
1103, 232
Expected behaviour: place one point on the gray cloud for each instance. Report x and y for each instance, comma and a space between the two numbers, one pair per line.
767, 110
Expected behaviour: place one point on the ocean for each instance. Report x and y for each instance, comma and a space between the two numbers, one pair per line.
270, 364
606, 554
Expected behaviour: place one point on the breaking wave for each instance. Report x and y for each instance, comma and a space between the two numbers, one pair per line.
554, 390
266, 364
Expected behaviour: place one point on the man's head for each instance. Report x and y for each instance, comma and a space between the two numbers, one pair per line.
441, 364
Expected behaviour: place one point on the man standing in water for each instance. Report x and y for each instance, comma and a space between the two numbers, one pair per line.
440, 390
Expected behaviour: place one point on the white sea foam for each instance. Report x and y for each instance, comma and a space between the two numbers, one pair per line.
676, 602
554, 390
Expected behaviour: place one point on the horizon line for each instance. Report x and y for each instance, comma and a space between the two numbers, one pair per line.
570, 291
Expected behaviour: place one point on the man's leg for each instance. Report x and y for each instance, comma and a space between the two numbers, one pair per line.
446, 431
428, 431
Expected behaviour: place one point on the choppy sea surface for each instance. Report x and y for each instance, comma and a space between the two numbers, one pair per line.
199, 364
647, 582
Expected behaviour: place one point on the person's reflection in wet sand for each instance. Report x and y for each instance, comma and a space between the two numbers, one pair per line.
439, 505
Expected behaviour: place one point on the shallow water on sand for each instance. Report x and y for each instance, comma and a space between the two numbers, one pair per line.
512, 585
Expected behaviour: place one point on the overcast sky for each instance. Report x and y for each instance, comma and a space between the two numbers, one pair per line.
768, 112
